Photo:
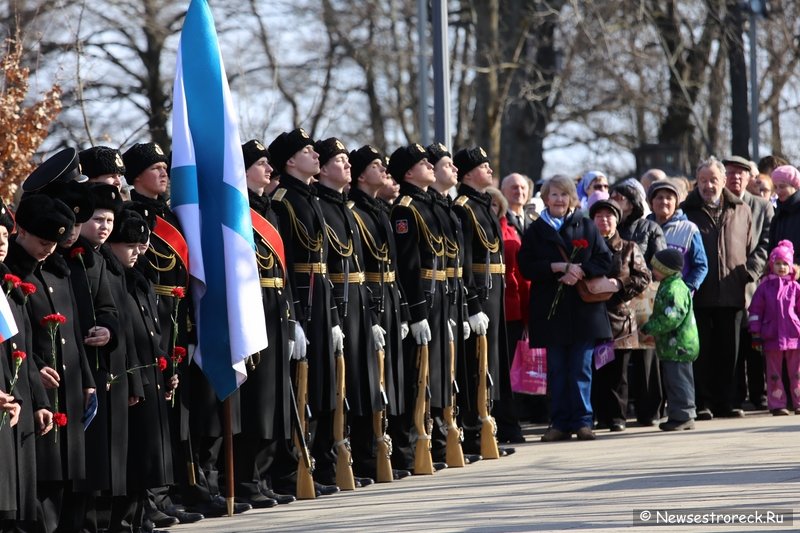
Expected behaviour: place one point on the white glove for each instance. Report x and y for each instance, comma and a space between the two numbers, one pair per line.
378, 337
338, 339
467, 330
479, 323
299, 345
421, 332
450, 325
403, 330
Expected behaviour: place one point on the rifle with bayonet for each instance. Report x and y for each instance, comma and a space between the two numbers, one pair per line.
344, 459
489, 449
299, 406
423, 462
383, 443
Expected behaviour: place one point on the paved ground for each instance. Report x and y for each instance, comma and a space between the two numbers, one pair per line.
723, 465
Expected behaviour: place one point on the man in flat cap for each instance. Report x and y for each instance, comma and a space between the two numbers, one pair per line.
43, 222
361, 338
388, 304
484, 278
62, 167
422, 272
750, 365
302, 224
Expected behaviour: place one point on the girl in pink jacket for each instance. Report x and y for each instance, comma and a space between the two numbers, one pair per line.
775, 326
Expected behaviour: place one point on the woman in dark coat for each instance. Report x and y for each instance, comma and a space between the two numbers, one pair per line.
645, 370
573, 328
631, 275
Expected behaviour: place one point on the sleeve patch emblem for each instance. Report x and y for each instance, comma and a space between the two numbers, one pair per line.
401, 226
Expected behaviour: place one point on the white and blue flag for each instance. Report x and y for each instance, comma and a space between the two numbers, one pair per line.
209, 196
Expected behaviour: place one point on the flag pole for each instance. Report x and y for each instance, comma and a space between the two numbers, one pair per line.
228, 454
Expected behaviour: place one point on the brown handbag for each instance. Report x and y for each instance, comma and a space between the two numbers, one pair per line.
599, 289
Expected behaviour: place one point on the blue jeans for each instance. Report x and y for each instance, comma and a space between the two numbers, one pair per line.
569, 379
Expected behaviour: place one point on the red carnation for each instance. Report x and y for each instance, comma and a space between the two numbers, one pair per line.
178, 354
11, 281
19, 355
53, 320
162, 363
77, 252
27, 288
179, 292
580, 243
60, 419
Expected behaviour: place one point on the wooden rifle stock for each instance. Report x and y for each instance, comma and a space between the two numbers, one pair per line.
305, 482
344, 460
383, 442
423, 462
454, 455
489, 449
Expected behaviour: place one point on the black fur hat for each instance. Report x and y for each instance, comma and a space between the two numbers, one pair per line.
469, 158
75, 195
436, 151
99, 160
105, 196
360, 159
45, 217
129, 227
144, 211
252, 151
404, 158
140, 157
285, 146
328, 149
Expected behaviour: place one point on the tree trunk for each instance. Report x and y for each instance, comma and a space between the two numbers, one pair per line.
737, 70
487, 33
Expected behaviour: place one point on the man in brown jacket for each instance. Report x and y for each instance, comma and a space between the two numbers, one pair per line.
725, 225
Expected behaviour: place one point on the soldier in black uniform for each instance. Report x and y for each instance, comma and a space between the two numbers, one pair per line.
361, 337
389, 309
484, 277
419, 235
166, 265
446, 175
261, 449
102, 164
58, 351
302, 225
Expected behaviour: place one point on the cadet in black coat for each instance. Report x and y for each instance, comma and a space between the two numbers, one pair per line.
346, 271
484, 280
261, 448
302, 225
388, 305
422, 272
149, 443
42, 223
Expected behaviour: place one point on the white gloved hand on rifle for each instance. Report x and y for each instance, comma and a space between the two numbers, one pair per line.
338, 339
466, 330
451, 327
299, 345
479, 323
378, 337
421, 332
404, 330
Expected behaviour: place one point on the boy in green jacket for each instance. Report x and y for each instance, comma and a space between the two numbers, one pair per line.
677, 345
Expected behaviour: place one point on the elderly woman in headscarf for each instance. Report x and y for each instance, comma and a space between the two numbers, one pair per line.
646, 376
592, 181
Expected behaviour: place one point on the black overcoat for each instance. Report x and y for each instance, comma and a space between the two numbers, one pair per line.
574, 320
302, 226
